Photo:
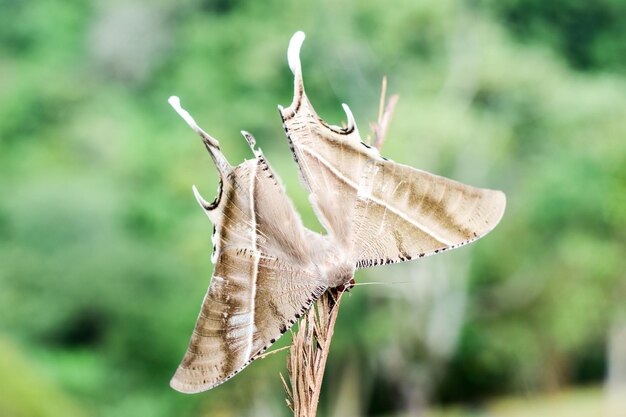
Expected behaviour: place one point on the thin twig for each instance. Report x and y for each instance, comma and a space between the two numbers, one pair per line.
271, 352
385, 113
308, 355
381, 102
311, 341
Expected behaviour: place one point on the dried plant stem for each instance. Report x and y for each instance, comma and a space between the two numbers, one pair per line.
308, 354
379, 128
311, 342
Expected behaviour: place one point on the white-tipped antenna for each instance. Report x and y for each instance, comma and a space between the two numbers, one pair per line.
175, 103
293, 58
350, 116
212, 145
293, 52
252, 143
203, 203
249, 138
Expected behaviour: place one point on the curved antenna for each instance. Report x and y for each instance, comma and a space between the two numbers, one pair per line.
293, 52
212, 145
252, 143
250, 139
203, 203
293, 58
350, 117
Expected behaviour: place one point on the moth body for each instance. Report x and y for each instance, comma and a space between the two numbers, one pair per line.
337, 272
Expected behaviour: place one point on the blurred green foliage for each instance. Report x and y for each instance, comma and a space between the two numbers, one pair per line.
104, 256
591, 36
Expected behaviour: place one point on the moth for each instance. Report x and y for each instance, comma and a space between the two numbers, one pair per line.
269, 269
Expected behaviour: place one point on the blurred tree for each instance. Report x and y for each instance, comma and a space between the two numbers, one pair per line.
590, 35
104, 257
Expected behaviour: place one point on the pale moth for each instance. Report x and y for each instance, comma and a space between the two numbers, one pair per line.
269, 268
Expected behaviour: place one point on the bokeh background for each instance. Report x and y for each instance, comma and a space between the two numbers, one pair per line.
104, 254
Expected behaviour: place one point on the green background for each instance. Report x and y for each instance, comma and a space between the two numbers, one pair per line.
104, 254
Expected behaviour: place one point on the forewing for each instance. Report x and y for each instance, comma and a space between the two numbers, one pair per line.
252, 301
265, 275
375, 209
402, 213
254, 212
330, 158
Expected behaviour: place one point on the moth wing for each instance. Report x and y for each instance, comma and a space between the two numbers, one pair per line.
402, 213
251, 302
264, 277
377, 210
329, 167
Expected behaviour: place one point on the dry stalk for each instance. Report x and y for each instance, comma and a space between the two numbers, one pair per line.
379, 128
311, 341
308, 354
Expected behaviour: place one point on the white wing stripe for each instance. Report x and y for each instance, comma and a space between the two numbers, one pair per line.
253, 238
370, 197
331, 168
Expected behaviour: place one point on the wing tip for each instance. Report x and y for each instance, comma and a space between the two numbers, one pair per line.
186, 388
181, 383
497, 205
177, 384
500, 198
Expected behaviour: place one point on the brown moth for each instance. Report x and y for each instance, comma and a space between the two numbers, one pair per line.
269, 269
